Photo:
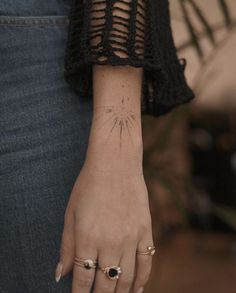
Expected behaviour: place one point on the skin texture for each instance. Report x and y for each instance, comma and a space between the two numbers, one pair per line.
108, 216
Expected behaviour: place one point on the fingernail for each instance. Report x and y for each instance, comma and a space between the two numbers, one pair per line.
58, 272
140, 290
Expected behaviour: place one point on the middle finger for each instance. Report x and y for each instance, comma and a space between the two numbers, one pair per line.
102, 282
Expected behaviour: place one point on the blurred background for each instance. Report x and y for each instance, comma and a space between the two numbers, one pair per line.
190, 158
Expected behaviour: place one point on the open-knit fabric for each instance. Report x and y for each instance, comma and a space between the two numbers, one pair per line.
127, 32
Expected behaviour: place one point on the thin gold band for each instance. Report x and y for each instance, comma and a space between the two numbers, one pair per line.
85, 263
149, 251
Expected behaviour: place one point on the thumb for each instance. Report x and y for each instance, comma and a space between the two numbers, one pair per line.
67, 249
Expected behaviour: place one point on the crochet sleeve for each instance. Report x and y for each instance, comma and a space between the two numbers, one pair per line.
127, 32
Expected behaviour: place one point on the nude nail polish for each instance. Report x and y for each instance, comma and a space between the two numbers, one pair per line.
58, 272
140, 290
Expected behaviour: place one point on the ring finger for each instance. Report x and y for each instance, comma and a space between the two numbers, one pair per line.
127, 264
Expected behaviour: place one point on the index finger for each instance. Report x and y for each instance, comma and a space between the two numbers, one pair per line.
83, 276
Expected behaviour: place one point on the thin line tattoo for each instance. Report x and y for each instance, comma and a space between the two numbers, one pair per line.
122, 119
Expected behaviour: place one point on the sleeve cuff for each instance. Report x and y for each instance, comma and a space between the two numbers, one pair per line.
133, 36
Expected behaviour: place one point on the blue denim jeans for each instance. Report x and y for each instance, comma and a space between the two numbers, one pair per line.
44, 130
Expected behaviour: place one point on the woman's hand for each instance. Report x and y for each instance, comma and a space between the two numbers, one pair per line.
108, 219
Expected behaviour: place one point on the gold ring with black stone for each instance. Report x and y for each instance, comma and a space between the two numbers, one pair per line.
112, 272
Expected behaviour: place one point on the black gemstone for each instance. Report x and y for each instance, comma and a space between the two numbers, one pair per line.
113, 273
87, 266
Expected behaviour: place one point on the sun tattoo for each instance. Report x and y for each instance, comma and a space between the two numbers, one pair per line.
120, 120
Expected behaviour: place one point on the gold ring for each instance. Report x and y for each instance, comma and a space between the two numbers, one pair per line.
85, 263
112, 272
149, 251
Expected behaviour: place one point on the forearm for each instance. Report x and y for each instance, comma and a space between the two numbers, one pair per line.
116, 134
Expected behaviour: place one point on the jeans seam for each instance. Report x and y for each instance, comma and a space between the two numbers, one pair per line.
34, 20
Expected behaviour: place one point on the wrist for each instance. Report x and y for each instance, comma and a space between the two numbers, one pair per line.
115, 167
116, 139
110, 157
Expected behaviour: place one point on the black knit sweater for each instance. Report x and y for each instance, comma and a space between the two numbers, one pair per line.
140, 37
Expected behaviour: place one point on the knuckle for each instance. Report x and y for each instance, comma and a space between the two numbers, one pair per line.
80, 229
133, 235
85, 236
105, 288
127, 281
144, 278
146, 262
113, 241
145, 224
94, 236
82, 281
